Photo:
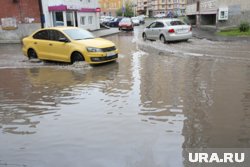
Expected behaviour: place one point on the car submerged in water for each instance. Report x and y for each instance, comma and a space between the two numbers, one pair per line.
68, 44
167, 30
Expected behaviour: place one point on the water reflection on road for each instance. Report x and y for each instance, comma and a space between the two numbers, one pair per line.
140, 111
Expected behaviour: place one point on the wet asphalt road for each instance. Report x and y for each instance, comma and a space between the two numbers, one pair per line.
142, 111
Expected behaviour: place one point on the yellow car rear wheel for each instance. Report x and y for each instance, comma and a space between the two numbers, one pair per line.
32, 54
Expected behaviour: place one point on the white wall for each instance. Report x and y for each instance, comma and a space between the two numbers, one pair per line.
95, 22
76, 4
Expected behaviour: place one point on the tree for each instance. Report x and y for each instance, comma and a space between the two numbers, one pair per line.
128, 10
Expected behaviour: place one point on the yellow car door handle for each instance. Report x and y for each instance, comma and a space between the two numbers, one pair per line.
50, 44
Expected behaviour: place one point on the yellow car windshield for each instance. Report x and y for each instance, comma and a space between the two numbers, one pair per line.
78, 34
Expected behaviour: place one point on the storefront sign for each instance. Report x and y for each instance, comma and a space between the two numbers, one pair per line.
73, 7
87, 10
58, 8
98, 9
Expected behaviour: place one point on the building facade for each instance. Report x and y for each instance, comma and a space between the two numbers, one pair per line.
109, 7
218, 13
142, 7
154, 7
18, 18
79, 13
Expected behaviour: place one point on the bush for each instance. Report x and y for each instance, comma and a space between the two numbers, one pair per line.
244, 27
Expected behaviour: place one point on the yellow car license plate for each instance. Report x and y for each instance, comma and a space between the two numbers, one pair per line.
110, 54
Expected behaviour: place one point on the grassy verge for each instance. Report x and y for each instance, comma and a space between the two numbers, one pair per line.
234, 32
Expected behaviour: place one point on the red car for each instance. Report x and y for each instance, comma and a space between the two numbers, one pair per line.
126, 24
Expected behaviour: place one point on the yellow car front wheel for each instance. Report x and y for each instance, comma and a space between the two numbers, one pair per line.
76, 56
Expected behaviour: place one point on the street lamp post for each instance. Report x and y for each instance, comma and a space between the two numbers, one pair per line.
123, 8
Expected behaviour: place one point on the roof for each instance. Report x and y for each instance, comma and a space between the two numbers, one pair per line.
60, 28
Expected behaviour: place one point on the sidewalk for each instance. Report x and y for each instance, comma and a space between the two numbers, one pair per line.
211, 35
105, 32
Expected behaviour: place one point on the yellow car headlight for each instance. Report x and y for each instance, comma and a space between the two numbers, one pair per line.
92, 49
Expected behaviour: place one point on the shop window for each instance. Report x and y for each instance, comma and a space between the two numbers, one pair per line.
83, 20
58, 19
90, 19
70, 18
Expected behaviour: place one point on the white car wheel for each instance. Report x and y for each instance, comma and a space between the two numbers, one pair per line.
162, 39
144, 37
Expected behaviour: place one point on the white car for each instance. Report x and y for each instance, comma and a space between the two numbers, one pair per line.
136, 21
160, 15
167, 30
105, 19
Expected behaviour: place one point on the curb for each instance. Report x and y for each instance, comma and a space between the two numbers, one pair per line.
105, 35
16, 41
223, 39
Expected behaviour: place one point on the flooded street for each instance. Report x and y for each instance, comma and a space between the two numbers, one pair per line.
141, 111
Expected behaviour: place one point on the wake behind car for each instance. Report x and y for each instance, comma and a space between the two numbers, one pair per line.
167, 30
68, 44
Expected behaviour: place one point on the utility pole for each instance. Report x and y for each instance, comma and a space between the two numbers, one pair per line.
123, 8
41, 13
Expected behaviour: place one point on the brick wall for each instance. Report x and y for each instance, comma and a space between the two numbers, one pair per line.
20, 10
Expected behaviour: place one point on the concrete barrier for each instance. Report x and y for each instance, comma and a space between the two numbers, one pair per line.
15, 36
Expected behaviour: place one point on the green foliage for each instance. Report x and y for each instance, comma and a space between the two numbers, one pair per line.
119, 12
234, 32
128, 10
244, 27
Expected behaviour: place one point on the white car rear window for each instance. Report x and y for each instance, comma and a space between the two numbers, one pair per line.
175, 23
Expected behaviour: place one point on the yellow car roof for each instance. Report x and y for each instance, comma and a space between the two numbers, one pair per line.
60, 28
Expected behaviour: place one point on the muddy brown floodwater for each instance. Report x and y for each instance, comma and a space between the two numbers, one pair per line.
141, 111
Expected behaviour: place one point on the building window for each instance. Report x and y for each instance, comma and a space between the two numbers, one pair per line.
83, 20
89, 1
58, 19
70, 18
90, 19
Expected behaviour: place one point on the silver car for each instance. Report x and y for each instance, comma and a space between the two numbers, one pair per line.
167, 30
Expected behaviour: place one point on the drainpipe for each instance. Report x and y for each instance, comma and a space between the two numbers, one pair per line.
41, 13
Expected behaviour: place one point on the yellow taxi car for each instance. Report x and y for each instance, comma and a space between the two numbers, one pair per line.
68, 44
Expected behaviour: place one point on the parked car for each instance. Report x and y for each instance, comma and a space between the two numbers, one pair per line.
135, 21
167, 30
160, 15
105, 19
68, 44
126, 24
141, 18
114, 22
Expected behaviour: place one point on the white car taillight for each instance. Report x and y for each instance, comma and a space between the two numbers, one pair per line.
171, 30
